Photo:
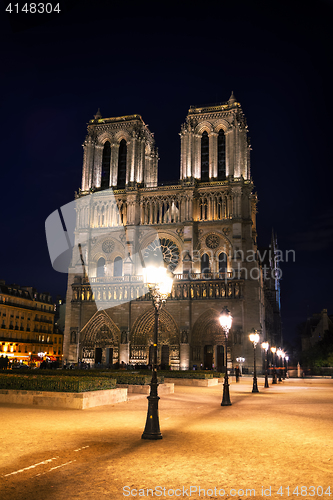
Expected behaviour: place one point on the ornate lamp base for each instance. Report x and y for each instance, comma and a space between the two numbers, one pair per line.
226, 396
152, 429
255, 386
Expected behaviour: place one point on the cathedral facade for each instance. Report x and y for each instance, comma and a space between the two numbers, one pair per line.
204, 227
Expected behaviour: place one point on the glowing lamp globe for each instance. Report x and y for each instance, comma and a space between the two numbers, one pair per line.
254, 337
225, 319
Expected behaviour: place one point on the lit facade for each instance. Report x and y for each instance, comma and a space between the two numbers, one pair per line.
27, 325
206, 226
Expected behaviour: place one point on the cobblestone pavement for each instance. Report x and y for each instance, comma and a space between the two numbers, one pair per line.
264, 445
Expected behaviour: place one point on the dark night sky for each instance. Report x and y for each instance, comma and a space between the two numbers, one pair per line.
134, 58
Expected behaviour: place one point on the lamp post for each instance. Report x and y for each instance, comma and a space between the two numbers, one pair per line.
254, 337
279, 352
265, 345
287, 359
240, 361
159, 285
274, 380
283, 356
226, 322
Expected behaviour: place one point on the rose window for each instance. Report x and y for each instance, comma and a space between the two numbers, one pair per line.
169, 250
212, 241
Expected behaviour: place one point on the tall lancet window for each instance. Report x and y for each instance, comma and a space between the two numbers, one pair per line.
221, 155
118, 266
105, 180
205, 157
205, 267
122, 164
223, 262
100, 268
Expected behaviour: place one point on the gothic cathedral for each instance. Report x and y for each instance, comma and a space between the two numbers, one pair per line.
204, 227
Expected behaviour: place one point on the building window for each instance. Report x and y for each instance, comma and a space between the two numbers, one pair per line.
122, 156
100, 267
223, 262
205, 263
118, 267
105, 180
221, 155
205, 157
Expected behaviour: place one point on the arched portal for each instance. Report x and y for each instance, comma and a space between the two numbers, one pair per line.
208, 341
142, 335
99, 340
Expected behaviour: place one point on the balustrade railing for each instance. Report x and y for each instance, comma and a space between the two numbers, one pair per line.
190, 276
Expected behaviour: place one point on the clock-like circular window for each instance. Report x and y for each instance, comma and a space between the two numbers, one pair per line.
108, 246
212, 241
169, 250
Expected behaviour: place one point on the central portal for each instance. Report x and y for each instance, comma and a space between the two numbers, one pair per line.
98, 355
208, 361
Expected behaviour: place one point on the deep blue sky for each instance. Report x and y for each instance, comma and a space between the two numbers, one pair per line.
134, 58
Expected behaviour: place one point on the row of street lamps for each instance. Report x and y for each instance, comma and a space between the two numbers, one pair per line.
159, 283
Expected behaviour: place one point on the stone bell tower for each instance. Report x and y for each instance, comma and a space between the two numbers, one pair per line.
214, 143
118, 152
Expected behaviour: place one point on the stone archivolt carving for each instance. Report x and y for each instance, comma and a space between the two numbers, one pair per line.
180, 232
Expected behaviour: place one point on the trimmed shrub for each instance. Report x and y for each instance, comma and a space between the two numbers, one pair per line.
55, 383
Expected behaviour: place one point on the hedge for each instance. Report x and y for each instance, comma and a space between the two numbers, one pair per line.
56, 384
186, 374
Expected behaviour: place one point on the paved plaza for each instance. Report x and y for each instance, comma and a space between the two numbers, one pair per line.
264, 445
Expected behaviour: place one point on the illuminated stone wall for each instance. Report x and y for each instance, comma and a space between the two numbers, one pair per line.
193, 219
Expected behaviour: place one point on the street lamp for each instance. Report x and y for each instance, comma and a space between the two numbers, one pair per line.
226, 322
274, 380
159, 284
254, 337
265, 345
279, 352
240, 361
287, 359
